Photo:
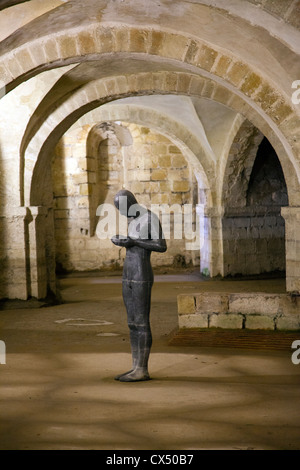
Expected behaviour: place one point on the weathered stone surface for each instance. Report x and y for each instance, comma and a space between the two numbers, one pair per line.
237, 72
206, 57
251, 84
186, 304
86, 43
221, 66
68, 46
193, 321
196, 86
174, 46
254, 303
291, 322
222, 95
105, 39
211, 302
158, 175
181, 186
156, 41
262, 322
192, 52
139, 40
225, 320
290, 304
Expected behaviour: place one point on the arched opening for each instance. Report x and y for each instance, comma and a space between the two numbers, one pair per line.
110, 56
91, 164
266, 195
253, 229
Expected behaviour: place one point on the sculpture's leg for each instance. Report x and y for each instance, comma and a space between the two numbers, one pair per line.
140, 332
134, 352
129, 304
143, 340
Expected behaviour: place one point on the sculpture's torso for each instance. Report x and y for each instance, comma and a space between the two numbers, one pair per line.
137, 265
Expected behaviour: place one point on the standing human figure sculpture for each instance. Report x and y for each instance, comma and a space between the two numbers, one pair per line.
144, 236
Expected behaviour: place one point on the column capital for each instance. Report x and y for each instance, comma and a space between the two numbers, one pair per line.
210, 211
22, 211
37, 210
12, 211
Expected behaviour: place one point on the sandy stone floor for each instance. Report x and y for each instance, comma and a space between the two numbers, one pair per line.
57, 389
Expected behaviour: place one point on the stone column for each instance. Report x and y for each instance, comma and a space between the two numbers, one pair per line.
13, 260
291, 216
211, 242
35, 234
27, 256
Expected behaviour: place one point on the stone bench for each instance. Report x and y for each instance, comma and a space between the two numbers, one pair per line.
256, 310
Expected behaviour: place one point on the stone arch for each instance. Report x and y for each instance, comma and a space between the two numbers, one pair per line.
273, 14
88, 36
98, 134
165, 83
189, 144
95, 94
188, 61
185, 140
73, 197
253, 236
92, 39
39, 147
239, 166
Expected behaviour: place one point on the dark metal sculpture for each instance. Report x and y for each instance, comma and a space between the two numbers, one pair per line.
144, 236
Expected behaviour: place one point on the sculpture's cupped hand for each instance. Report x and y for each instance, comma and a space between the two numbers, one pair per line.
121, 241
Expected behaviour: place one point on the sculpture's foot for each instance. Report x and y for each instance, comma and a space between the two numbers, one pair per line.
117, 377
135, 375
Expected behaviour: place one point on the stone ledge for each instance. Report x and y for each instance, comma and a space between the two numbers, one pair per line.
234, 338
254, 303
253, 311
226, 320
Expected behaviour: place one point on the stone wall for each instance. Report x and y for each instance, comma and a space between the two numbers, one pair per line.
79, 59
158, 173
253, 244
85, 176
253, 310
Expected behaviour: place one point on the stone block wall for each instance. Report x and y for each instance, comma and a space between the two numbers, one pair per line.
153, 168
253, 244
254, 310
158, 173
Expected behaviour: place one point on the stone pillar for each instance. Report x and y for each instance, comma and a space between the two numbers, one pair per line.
35, 233
211, 242
291, 216
27, 256
13, 260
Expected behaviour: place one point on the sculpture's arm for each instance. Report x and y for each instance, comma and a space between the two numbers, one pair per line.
126, 242
152, 245
153, 238
148, 244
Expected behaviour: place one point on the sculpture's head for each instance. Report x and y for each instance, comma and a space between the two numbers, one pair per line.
123, 200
